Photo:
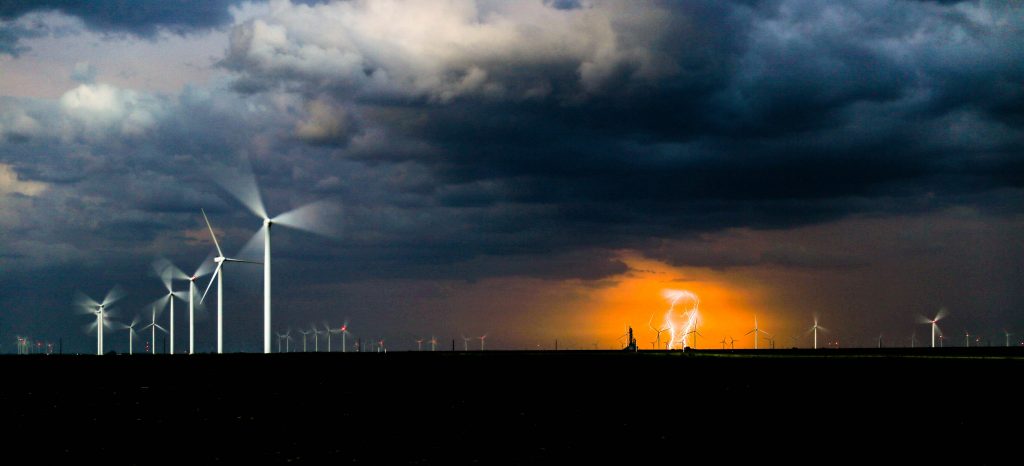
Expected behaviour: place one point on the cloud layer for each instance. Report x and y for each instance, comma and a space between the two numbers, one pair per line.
469, 140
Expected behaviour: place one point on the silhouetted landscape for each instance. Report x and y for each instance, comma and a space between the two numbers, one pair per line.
498, 406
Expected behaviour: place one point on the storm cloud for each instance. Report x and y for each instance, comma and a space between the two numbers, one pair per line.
472, 140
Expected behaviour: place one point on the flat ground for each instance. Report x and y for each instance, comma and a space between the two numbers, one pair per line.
785, 406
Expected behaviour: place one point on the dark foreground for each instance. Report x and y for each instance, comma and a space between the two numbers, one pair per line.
517, 407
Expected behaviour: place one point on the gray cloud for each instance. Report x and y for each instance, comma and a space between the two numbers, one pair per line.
469, 141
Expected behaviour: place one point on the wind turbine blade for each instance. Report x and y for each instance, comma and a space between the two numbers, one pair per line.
253, 248
923, 320
88, 328
212, 278
823, 329
159, 303
748, 333
324, 218
241, 184
84, 301
182, 295
135, 321
242, 261
205, 267
160, 328
115, 294
941, 314
212, 235
168, 272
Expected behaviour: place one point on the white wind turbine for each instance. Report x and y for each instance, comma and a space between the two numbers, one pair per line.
482, 339
153, 325
433, 343
316, 338
419, 344
204, 269
99, 309
280, 337
936, 331
756, 331
131, 333
304, 334
168, 272
328, 331
656, 330
218, 275
815, 329
1007, 334
313, 218
344, 332
465, 343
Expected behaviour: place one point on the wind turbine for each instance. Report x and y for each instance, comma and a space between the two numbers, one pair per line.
482, 339
723, 342
328, 331
218, 275
204, 269
344, 332
732, 343
419, 344
308, 218
168, 272
153, 325
131, 332
756, 331
304, 333
465, 343
815, 330
967, 339
1007, 334
280, 336
99, 309
657, 331
695, 333
935, 324
433, 343
316, 338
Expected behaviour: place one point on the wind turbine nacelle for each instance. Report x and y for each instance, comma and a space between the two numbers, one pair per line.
218, 259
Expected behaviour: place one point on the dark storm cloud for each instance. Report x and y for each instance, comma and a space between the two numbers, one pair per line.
138, 17
686, 116
528, 139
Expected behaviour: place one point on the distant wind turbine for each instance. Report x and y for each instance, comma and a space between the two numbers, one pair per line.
936, 332
815, 329
482, 339
656, 330
1007, 334
304, 333
131, 333
100, 310
465, 343
153, 326
756, 331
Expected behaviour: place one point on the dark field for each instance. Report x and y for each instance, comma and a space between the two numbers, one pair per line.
779, 407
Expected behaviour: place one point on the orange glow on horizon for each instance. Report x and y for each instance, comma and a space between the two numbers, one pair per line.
727, 305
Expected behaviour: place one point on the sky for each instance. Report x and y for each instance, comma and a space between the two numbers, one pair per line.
530, 170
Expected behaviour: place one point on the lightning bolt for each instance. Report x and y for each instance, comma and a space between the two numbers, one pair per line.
681, 316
